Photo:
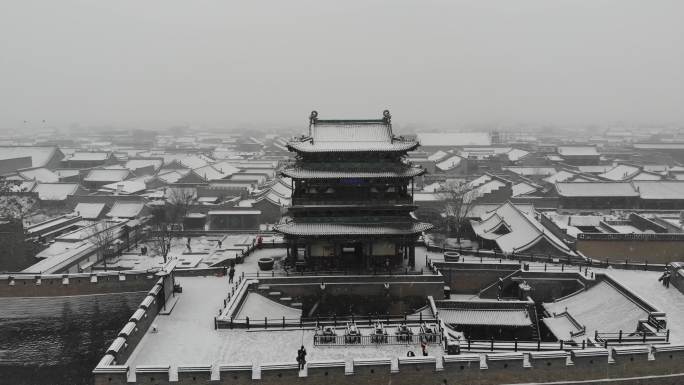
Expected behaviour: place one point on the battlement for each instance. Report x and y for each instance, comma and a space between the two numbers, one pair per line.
502, 368
47, 285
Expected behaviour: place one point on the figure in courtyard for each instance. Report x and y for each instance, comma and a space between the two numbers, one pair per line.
219, 243
665, 278
301, 357
423, 347
231, 274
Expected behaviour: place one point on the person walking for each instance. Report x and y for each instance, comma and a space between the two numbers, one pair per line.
301, 357
231, 274
666, 280
663, 276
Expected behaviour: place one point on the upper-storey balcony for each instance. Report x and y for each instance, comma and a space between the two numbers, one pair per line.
367, 199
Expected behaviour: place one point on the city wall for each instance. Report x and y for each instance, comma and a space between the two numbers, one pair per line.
141, 320
620, 365
56, 327
55, 285
651, 248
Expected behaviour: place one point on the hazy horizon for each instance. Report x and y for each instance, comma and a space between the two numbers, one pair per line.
434, 64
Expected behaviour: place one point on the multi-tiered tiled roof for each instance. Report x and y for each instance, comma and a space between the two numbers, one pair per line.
338, 154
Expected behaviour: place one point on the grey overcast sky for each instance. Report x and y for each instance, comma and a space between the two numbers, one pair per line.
434, 63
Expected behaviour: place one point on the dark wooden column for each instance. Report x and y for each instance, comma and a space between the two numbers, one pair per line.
412, 256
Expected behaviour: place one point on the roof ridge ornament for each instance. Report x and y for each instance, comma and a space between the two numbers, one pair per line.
313, 118
386, 116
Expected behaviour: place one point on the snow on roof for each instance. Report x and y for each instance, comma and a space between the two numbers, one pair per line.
660, 189
351, 131
483, 210
659, 168
442, 139
595, 169
644, 175
532, 171
351, 135
226, 167
282, 187
577, 151
491, 317
57, 254
515, 154
134, 164
55, 191
523, 188
126, 209
40, 174
601, 308
524, 231
437, 156
246, 203
130, 186
89, 156
40, 156
449, 163
435, 186
570, 223
89, 210
482, 190
621, 172
107, 175
208, 172
479, 181
596, 189
193, 161
560, 176
172, 176
67, 172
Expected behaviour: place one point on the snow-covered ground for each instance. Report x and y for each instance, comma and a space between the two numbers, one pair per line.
204, 251
187, 336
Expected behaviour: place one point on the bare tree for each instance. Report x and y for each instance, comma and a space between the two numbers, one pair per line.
180, 199
102, 236
458, 199
161, 233
15, 205
15, 202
